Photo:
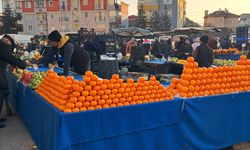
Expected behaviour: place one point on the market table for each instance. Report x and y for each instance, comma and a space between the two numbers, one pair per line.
227, 56
200, 123
134, 127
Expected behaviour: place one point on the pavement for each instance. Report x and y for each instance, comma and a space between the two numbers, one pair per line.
16, 137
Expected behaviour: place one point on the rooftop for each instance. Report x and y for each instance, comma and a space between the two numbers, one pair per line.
222, 13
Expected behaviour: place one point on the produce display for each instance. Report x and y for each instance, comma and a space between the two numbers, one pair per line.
70, 95
30, 79
203, 81
227, 51
178, 61
223, 62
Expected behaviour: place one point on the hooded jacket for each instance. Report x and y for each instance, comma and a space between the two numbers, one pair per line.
6, 58
74, 56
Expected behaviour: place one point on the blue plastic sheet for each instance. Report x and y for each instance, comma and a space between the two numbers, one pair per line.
228, 56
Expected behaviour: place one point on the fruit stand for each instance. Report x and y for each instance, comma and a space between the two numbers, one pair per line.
204, 114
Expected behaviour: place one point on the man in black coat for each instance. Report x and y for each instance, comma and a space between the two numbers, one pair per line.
75, 57
203, 54
7, 46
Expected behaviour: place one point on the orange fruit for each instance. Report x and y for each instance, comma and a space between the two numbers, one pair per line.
119, 104
81, 99
76, 94
91, 108
105, 81
97, 88
93, 103
152, 78
85, 93
128, 99
174, 81
100, 92
70, 105
89, 73
92, 83
87, 88
115, 76
130, 80
123, 85
116, 101
122, 100
93, 93
112, 81
125, 95
111, 86
86, 79
105, 97
141, 79
131, 94
105, 106
108, 101
70, 78
114, 91
243, 57
101, 102
126, 104
104, 86
112, 105
107, 92
89, 98
119, 95
119, 81
187, 71
132, 102
98, 107
190, 59
78, 104
117, 85
189, 65
95, 78
99, 82
73, 100
67, 110
111, 96
97, 98
83, 109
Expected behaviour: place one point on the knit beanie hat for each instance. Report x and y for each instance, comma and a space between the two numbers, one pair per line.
13, 45
55, 36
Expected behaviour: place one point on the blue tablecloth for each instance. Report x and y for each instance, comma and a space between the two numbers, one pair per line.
227, 56
207, 123
133, 127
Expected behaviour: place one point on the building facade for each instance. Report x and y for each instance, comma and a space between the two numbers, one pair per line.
43, 16
221, 18
244, 20
10, 2
176, 10
118, 14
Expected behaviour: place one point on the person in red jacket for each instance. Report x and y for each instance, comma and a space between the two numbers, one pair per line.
7, 46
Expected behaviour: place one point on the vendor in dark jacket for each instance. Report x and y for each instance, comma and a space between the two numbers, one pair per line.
75, 57
7, 46
203, 54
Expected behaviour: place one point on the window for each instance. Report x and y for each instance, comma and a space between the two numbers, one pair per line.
85, 2
40, 3
51, 16
100, 17
99, 4
18, 5
50, 3
63, 5
86, 14
41, 16
63, 17
30, 27
29, 17
27, 4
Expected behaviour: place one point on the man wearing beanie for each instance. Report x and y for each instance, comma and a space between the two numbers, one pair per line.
7, 46
203, 54
75, 57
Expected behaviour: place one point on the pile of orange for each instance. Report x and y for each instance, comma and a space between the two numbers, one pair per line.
204, 81
69, 95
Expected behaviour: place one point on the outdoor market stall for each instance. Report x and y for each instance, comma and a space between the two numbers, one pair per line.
210, 122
